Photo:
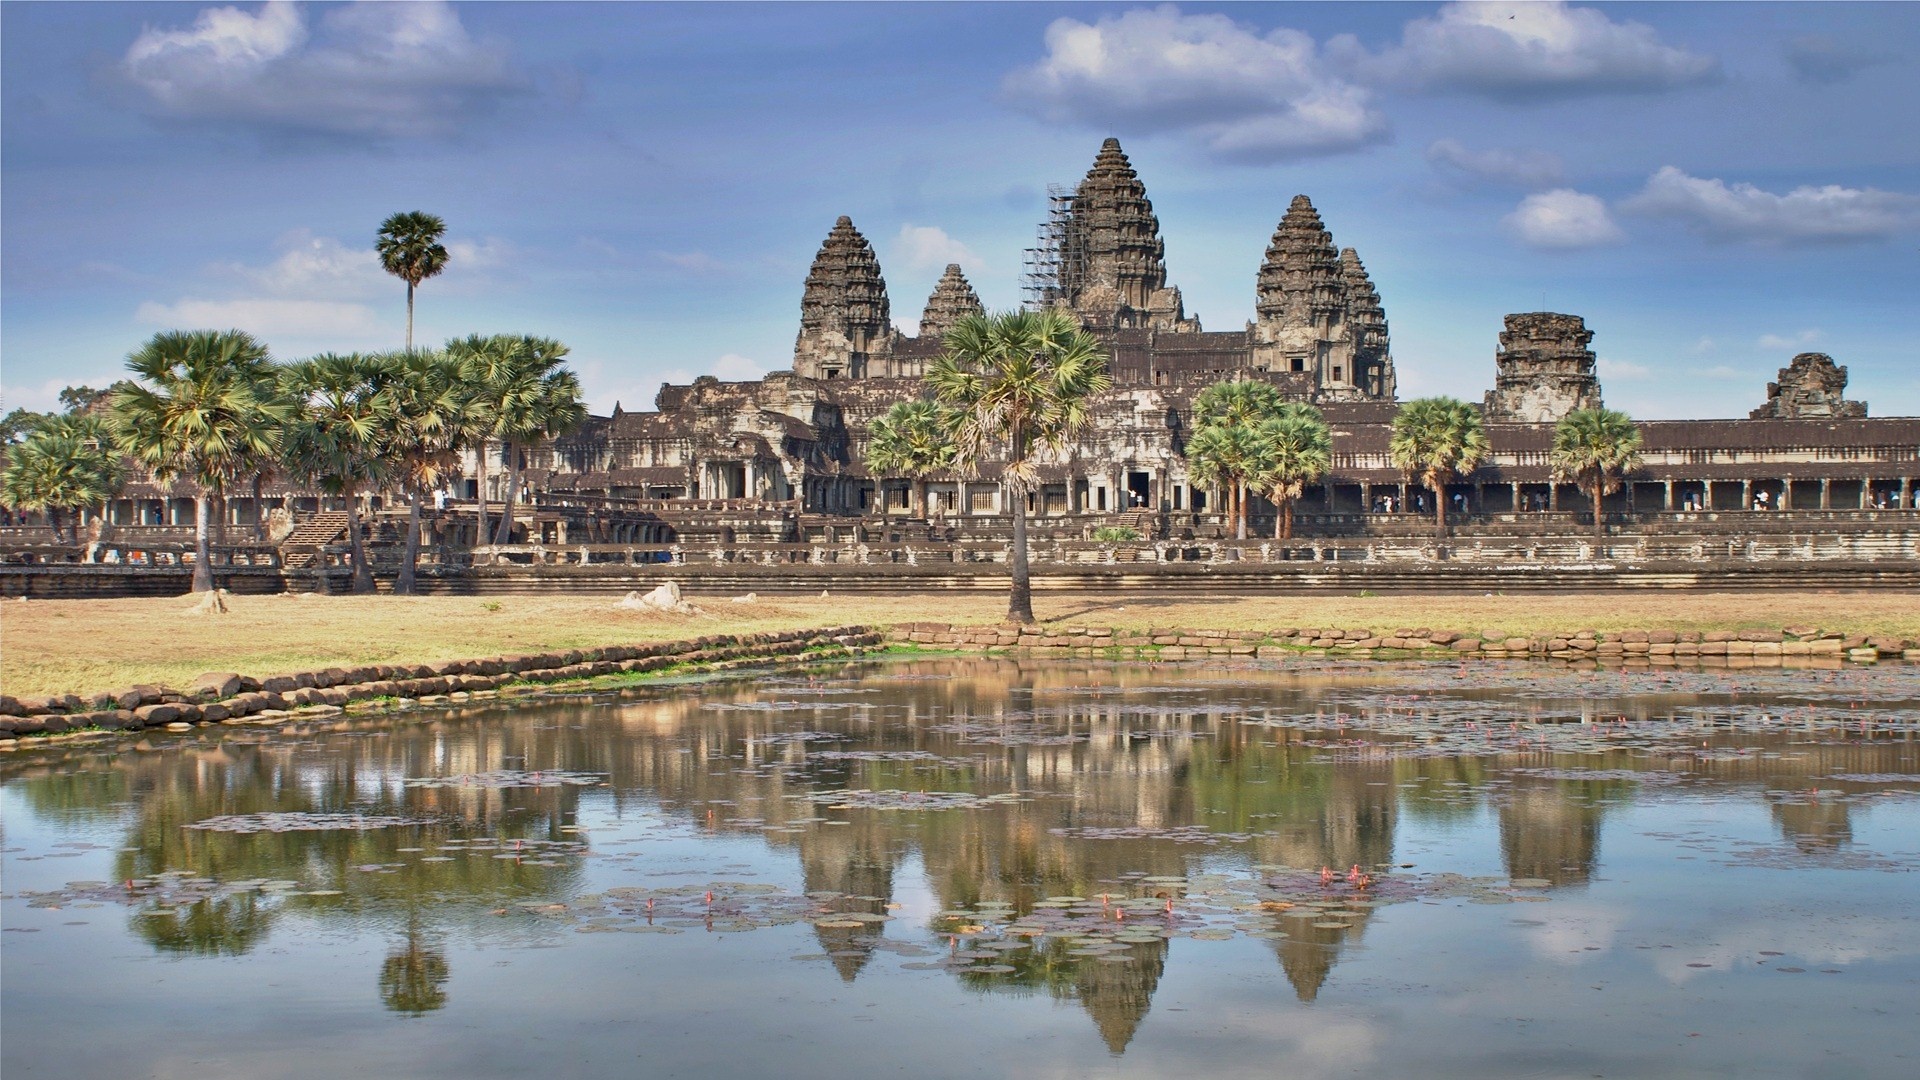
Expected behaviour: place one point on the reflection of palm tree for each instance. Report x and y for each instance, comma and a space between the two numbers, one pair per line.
413, 977
217, 926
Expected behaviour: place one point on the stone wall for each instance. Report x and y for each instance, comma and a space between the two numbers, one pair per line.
232, 698
1709, 648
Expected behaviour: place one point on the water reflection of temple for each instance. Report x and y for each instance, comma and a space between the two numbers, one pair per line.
1156, 749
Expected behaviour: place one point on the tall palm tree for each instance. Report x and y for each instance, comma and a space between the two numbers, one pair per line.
198, 412
431, 424
1595, 449
1240, 406
338, 438
1228, 456
1436, 440
1298, 449
531, 399
69, 464
410, 249
914, 439
1020, 383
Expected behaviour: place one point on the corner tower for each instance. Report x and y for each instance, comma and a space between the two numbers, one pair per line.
845, 323
953, 299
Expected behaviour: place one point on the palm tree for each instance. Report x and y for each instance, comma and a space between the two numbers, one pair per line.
1227, 456
1240, 406
431, 424
198, 413
68, 464
914, 439
1435, 440
1019, 383
533, 398
339, 437
1595, 448
410, 249
1298, 449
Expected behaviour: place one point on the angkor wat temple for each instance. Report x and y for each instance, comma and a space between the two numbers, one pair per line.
1319, 331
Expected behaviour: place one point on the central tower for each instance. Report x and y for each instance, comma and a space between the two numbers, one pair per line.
1100, 254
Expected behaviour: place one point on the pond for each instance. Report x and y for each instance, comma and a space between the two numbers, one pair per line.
992, 867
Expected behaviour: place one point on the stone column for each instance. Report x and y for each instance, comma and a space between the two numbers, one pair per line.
1516, 496
1746, 494
1906, 491
1826, 494
1553, 496
1668, 496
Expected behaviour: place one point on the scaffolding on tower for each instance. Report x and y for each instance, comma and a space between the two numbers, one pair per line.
1053, 261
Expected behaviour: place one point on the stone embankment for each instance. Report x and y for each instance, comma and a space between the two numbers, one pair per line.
232, 698
1706, 648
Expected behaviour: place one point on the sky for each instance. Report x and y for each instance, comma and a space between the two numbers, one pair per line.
1713, 187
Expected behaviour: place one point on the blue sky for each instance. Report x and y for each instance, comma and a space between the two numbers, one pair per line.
1714, 187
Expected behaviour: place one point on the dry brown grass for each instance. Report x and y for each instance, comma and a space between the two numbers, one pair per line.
59, 646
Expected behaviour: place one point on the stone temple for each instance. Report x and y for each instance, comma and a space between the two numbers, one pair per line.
782, 458
793, 441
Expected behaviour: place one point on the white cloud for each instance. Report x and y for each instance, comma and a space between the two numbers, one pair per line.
1704, 346
1804, 215
1527, 50
1563, 218
315, 266
1623, 369
45, 397
928, 247
1522, 168
733, 367
1777, 342
275, 321
1244, 95
369, 70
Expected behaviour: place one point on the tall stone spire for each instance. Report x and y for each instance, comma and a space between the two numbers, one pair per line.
1544, 369
953, 299
1367, 327
844, 317
1300, 302
1113, 268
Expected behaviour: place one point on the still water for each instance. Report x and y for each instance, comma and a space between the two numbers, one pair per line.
993, 868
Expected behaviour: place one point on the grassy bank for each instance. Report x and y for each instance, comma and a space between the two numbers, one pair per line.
59, 646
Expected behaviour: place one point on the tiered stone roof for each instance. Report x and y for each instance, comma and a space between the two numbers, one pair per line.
953, 299
1367, 326
1114, 270
1811, 386
1543, 369
844, 315
1301, 282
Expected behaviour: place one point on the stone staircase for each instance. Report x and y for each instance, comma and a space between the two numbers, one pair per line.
301, 549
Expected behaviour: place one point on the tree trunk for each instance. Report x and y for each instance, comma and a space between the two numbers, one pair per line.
1282, 517
259, 511
1020, 602
409, 317
1599, 528
1240, 510
505, 533
202, 549
1439, 508
1020, 598
59, 531
220, 518
361, 573
480, 489
403, 584
919, 489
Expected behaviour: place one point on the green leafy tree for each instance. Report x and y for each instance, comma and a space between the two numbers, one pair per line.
520, 395
338, 438
432, 423
1228, 456
67, 465
1595, 449
409, 247
1296, 450
20, 423
913, 440
1019, 383
1231, 461
1435, 440
198, 412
